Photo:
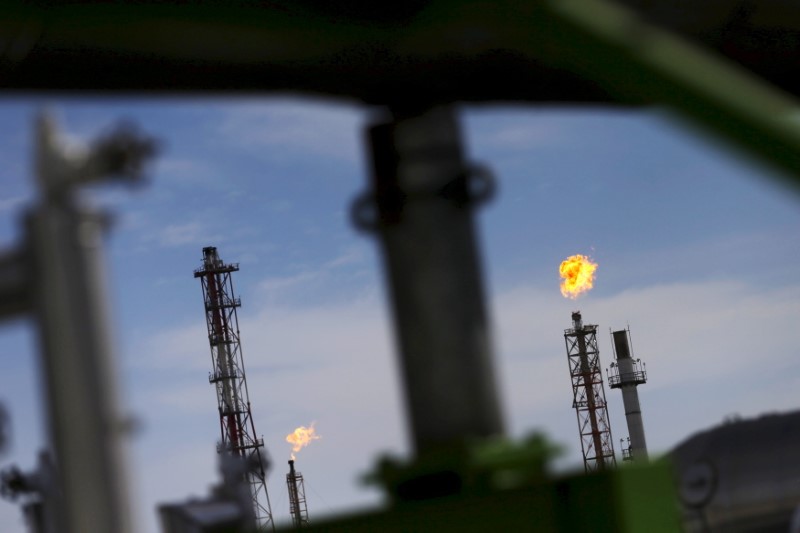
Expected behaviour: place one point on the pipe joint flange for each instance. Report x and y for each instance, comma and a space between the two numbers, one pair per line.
372, 210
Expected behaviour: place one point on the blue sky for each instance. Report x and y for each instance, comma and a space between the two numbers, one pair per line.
698, 251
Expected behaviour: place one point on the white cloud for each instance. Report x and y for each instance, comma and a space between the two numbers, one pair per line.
335, 364
706, 346
322, 275
300, 127
517, 129
180, 167
183, 347
182, 234
522, 136
279, 283
175, 234
194, 171
189, 399
331, 364
351, 256
248, 252
706, 332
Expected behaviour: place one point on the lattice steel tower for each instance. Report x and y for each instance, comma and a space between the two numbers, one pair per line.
589, 396
297, 497
228, 376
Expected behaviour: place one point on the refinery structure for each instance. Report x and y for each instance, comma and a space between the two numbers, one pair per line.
589, 396
236, 425
731, 70
297, 497
78, 484
238, 438
626, 374
449, 480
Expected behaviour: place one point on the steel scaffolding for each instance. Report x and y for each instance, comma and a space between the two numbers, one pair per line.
589, 396
297, 497
228, 376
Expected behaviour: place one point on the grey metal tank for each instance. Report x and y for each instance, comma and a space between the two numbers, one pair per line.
741, 476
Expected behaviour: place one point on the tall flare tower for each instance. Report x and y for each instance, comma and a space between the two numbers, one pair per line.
297, 497
627, 374
589, 396
228, 376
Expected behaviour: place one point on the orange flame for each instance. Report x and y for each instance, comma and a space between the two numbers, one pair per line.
578, 273
302, 437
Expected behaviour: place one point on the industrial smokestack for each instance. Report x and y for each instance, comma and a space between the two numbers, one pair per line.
576, 320
297, 497
627, 374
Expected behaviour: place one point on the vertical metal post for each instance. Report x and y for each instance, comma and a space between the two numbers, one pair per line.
424, 194
69, 300
79, 375
15, 283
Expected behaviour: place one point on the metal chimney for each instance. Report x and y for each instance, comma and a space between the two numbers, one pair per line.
627, 374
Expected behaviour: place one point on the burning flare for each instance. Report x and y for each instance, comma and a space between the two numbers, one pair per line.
578, 273
302, 437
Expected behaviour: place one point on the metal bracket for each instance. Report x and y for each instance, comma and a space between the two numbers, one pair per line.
474, 186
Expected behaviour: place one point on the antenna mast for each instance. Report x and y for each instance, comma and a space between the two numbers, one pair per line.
228, 376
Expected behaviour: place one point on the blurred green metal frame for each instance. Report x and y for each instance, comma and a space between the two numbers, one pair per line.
640, 63
636, 64
506, 488
430, 51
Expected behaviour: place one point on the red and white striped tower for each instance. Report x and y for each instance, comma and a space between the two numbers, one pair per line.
228, 376
589, 395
